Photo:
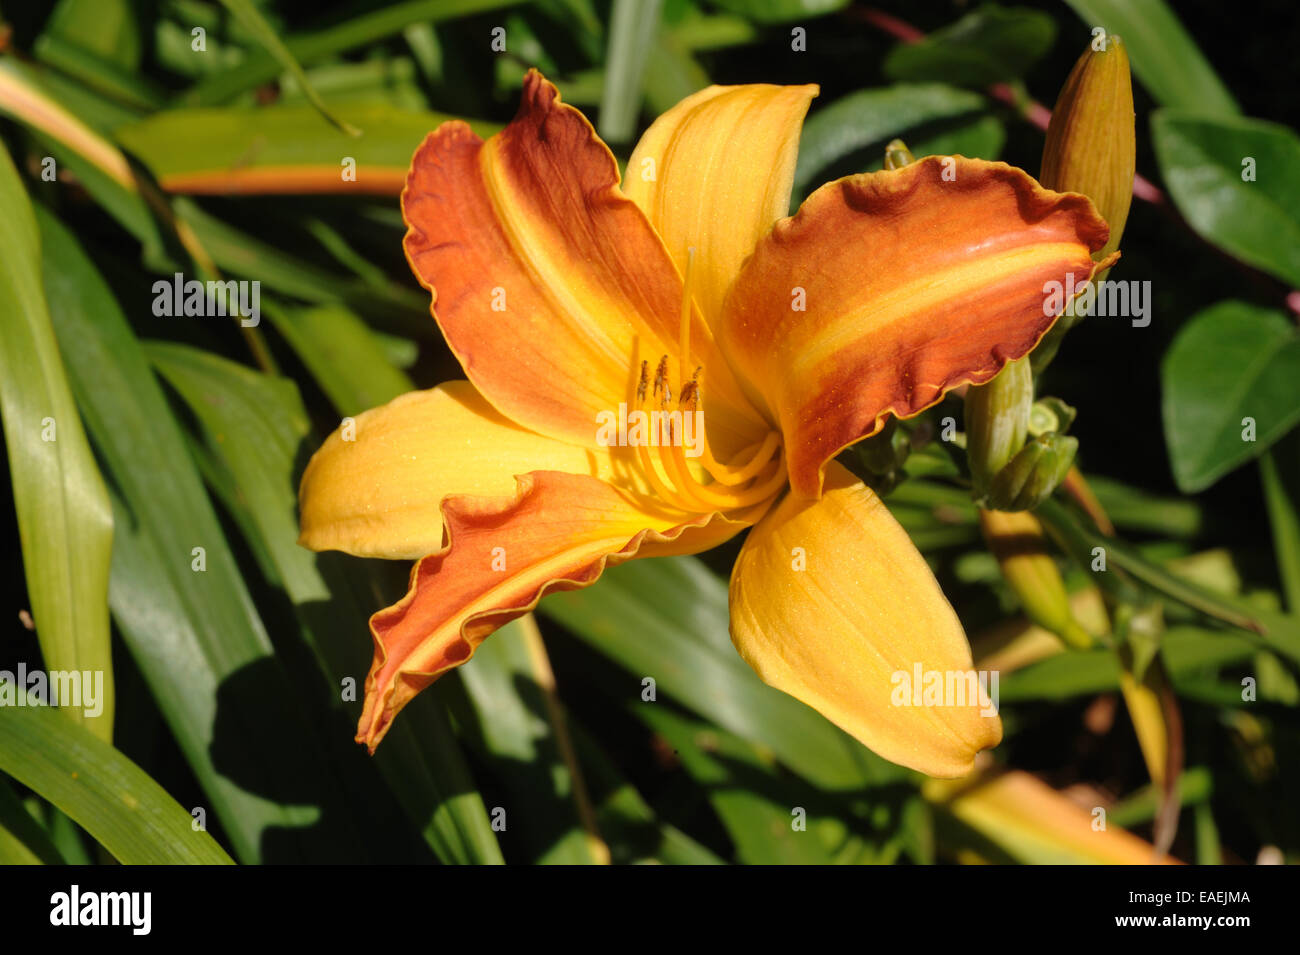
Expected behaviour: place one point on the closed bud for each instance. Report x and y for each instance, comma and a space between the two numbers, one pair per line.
1033, 474
997, 419
897, 155
1050, 414
1091, 142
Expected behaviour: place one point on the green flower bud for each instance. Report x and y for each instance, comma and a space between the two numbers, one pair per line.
897, 155
1048, 415
997, 418
1033, 474
1091, 142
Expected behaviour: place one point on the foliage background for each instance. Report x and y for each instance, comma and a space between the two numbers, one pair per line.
226, 681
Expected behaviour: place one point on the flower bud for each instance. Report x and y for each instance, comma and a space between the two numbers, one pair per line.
1091, 142
997, 418
897, 155
1033, 474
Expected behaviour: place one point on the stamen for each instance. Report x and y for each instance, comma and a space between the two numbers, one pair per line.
661, 382
732, 487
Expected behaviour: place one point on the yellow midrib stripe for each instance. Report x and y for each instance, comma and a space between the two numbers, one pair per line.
922, 295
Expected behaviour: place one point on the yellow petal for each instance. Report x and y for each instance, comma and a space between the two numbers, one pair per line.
1036, 824
375, 487
715, 172
832, 603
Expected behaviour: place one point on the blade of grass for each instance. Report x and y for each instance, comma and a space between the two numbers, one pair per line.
65, 524
256, 24
114, 800
308, 48
632, 29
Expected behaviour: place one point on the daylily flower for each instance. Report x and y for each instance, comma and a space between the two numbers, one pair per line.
686, 289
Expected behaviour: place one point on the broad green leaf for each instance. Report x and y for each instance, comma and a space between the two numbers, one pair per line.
1231, 387
343, 355
666, 619
985, 46
1163, 54
307, 48
1234, 182
195, 635
849, 135
258, 429
281, 149
65, 524
114, 800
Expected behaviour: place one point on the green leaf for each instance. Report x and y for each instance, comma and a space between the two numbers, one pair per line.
523, 736
1163, 54
307, 48
758, 810
1234, 181
23, 840
988, 45
1280, 472
65, 524
196, 637
107, 28
682, 643
114, 800
255, 23
285, 149
849, 134
1229, 363
345, 357
258, 429
781, 11
633, 25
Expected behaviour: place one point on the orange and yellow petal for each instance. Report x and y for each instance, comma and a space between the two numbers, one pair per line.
558, 532
375, 487
888, 289
547, 281
715, 172
832, 603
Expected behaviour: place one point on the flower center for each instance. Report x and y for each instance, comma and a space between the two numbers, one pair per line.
754, 475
